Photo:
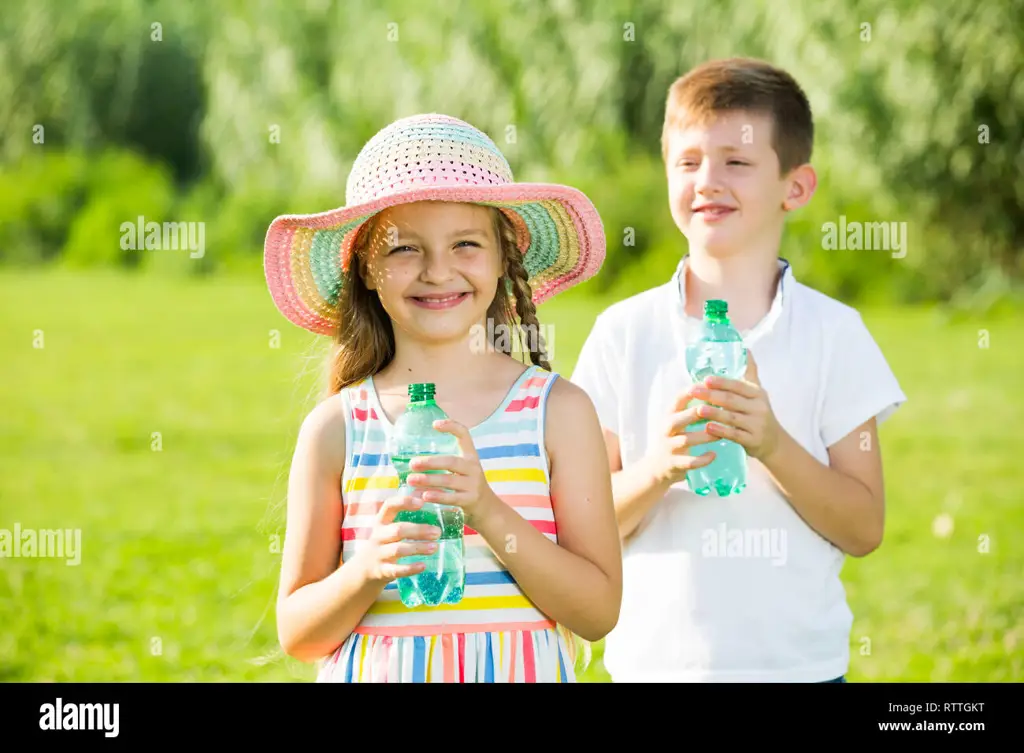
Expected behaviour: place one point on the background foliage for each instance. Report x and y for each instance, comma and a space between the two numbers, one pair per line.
151, 400
233, 111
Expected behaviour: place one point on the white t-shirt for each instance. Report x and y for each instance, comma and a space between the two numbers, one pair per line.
734, 589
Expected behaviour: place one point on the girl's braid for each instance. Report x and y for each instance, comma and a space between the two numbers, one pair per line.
527, 311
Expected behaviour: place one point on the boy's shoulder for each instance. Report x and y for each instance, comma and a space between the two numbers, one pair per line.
820, 310
643, 312
637, 309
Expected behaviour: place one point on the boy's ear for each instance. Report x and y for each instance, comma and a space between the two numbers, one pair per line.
801, 183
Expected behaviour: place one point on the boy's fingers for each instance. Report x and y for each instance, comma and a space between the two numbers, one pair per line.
745, 389
679, 421
681, 443
730, 400
694, 461
751, 373
683, 398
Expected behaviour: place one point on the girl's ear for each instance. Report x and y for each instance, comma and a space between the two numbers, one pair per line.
368, 280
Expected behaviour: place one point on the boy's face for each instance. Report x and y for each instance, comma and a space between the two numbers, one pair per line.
725, 191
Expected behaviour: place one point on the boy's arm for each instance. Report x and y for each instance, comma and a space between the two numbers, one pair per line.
843, 501
634, 490
639, 487
643, 484
599, 373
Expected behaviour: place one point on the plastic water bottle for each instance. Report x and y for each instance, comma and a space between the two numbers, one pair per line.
717, 351
443, 580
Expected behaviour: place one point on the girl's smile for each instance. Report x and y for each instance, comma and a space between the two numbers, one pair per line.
439, 301
435, 267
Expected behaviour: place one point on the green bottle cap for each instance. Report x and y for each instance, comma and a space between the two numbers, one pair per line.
421, 391
715, 309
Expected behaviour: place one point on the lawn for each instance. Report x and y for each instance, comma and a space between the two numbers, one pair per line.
157, 416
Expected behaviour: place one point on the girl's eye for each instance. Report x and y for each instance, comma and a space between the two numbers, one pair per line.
738, 162
467, 243
400, 248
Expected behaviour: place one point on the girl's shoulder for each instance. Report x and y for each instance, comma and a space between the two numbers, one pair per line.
322, 433
566, 401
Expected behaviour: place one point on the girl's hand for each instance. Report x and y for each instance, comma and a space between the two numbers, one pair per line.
744, 414
389, 542
464, 486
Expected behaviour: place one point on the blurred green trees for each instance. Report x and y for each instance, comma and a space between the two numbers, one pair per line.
231, 112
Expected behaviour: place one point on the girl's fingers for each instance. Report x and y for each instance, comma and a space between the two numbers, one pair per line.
437, 481
390, 535
393, 572
392, 505
444, 498
415, 549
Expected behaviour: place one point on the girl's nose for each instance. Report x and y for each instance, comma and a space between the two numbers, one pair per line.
437, 268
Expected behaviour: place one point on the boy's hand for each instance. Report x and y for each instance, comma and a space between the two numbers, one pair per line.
671, 458
743, 415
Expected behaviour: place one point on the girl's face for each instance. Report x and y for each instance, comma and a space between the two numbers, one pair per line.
435, 267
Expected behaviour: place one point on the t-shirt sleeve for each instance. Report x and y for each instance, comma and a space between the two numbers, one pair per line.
859, 385
597, 373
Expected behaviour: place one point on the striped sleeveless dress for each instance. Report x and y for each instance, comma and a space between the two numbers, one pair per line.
495, 634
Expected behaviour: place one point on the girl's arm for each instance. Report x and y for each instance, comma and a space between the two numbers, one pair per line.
577, 582
319, 603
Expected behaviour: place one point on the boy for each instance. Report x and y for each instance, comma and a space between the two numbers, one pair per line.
744, 588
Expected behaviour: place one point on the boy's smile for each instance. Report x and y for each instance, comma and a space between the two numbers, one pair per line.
725, 191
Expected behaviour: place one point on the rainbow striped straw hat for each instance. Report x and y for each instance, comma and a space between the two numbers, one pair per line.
420, 158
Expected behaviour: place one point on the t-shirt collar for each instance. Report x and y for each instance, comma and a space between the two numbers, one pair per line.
782, 292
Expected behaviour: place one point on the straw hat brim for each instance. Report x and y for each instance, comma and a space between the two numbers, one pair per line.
306, 256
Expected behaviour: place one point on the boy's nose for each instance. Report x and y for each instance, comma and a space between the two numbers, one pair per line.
706, 180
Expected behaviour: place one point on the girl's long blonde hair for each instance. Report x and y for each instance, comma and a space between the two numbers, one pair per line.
365, 342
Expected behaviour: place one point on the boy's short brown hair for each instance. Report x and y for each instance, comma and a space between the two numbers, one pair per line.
744, 84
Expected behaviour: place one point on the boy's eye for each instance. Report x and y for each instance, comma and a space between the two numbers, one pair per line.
738, 162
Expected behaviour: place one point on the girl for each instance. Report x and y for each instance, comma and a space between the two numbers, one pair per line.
437, 251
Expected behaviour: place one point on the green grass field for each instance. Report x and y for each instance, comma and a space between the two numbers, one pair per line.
158, 418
